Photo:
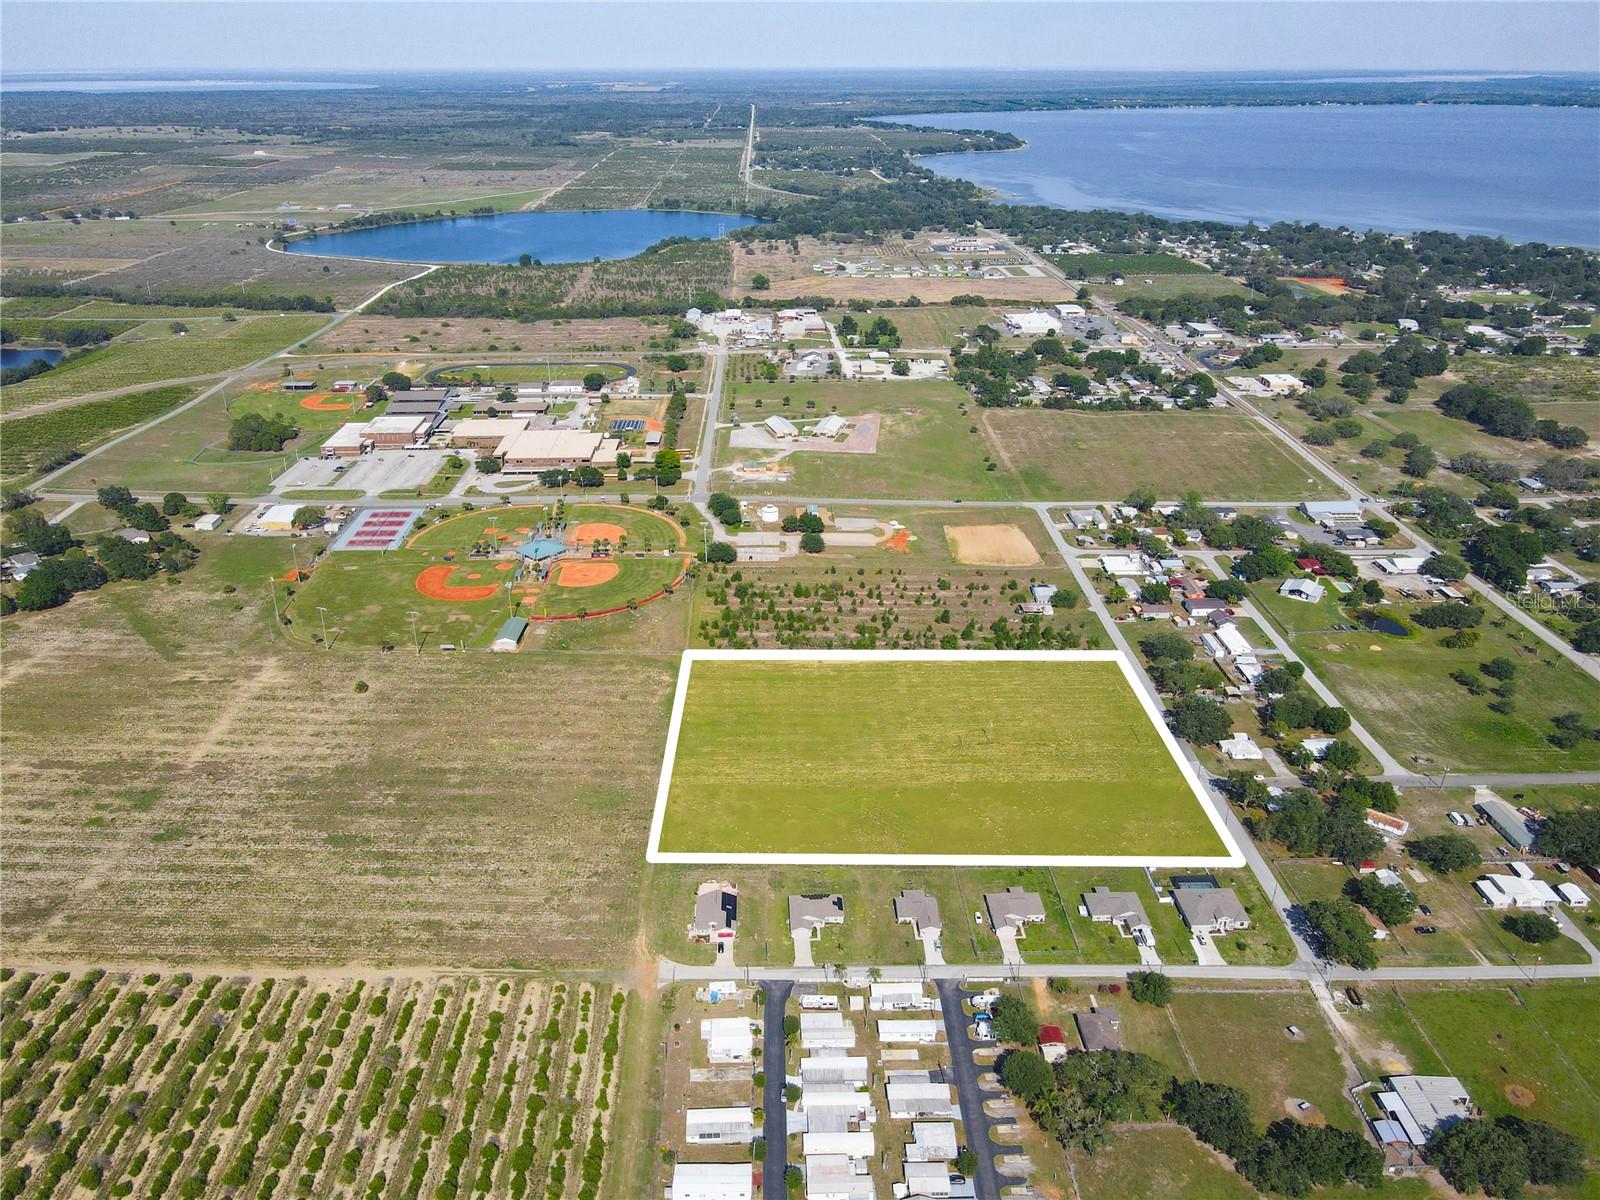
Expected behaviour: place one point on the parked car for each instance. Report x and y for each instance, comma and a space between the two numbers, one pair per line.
1424, 929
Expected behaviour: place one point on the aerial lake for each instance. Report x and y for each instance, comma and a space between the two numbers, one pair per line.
1524, 173
550, 237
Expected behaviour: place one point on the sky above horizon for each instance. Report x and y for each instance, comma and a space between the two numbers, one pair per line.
600, 35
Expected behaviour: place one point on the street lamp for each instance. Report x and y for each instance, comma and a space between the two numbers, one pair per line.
323, 614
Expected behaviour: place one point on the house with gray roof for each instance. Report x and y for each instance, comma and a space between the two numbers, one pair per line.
1211, 910
808, 914
919, 910
716, 911
1013, 909
1122, 909
1099, 1030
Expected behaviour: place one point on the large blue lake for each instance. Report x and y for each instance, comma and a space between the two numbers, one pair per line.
550, 237
1522, 173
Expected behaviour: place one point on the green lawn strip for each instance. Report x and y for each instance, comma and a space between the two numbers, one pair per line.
1242, 1038
1403, 693
1088, 776
323, 494
28, 443
1266, 942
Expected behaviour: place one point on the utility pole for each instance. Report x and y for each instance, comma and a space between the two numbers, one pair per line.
323, 613
272, 590
414, 641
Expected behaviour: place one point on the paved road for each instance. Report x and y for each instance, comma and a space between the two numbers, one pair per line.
986, 1180
700, 480
775, 1127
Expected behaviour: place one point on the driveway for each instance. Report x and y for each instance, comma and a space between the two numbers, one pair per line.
802, 947
775, 1125
977, 1123
1207, 955
931, 953
1009, 954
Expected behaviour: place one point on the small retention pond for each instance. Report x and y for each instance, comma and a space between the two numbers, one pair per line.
1379, 623
548, 237
22, 356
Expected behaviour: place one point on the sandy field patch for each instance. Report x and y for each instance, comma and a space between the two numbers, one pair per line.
586, 574
323, 402
1332, 285
596, 531
448, 334
934, 291
434, 583
990, 545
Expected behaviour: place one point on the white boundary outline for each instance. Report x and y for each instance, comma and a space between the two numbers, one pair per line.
654, 853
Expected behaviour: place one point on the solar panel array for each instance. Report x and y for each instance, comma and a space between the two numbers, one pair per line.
627, 425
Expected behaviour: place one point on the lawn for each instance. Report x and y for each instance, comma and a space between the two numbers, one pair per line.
898, 756
1401, 689
1105, 455
1081, 266
1242, 1038
1525, 1050
152, 353
925, 447
369, 596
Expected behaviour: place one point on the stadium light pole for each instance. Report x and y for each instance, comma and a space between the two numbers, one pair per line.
272, 589
323, 613
414, 642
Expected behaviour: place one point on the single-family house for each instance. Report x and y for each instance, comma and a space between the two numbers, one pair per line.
1386, 823
909, 1032
930, 1179
819, 1070
1572, 895
1213, 910
716, 912
837, 1177
1100, 1029
853, 1143
900, 995
713, 1181
728, 1039
1422, 1104
1307, 590
809, 914
913, 1095
1014, 909
1240, 747
826, 1031
1513, 891
719, 1126
932, 1141
1123, 910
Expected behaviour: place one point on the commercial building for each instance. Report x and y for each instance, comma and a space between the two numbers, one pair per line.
485, 433
547, 449
1509, 822
350, 440
397, 431
1031, 324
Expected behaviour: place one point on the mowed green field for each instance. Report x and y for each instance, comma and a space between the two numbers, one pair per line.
1023, 758
368, 594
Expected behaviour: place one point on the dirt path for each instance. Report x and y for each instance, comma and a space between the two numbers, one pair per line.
232, 709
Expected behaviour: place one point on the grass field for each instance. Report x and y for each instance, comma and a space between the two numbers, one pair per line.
272, 814
216, 1086
1100, 456
1400, 688
29, 443
153, 353
368, 595
1525, 1050
924, 759
1082, 266
187, 453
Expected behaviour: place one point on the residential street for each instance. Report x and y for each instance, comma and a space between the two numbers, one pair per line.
986, 1181
775, 1128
